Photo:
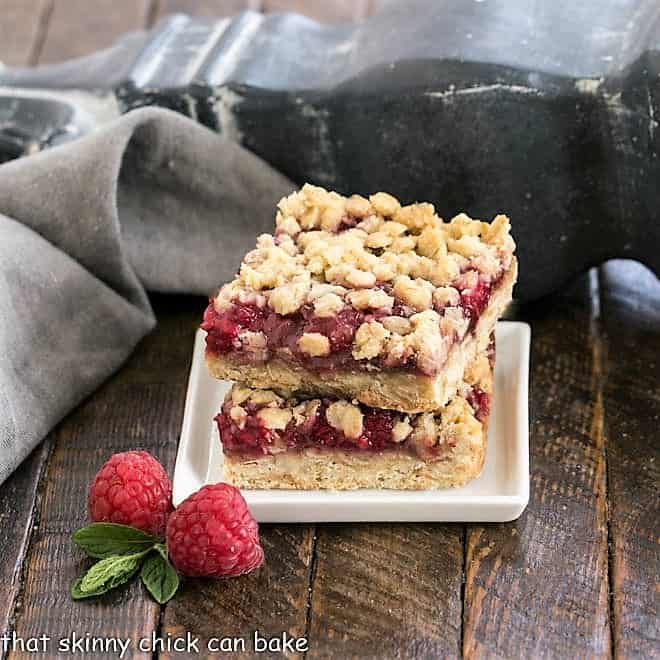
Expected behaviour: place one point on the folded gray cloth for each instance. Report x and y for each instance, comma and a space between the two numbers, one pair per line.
152, 200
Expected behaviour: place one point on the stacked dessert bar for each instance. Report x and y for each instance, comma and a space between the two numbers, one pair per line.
360, 337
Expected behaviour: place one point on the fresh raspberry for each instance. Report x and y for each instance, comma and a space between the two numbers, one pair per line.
212, 534
132, 488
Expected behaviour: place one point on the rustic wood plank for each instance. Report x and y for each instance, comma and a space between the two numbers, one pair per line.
79, 29
630, 318
140, 407
272, 599
330, 11
17, 506
205, 8
21, 28
383, 591
333, 11
376, 6
538, 587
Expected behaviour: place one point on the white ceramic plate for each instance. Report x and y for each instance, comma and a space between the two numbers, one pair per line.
499, 494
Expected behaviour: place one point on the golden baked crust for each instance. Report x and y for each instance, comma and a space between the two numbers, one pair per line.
407, 391
402, 268
340, 470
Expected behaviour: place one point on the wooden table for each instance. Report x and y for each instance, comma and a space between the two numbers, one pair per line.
576, 575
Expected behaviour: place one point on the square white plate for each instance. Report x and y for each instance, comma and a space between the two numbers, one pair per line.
499, 494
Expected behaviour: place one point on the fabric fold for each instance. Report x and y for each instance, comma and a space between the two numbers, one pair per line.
151, 201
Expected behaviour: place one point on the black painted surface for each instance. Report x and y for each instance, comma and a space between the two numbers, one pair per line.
30, 124
549, 115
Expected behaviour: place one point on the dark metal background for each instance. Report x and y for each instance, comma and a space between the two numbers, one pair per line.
545, 111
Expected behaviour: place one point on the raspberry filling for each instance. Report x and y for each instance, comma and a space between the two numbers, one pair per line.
281, 333
474, 300
480, 403
255, 439
315, 431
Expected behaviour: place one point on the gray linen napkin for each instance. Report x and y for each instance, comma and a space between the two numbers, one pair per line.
152, 200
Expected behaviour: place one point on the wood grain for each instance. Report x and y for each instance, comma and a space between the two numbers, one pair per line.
383, 591
76, 29
538, 587
630, 319
272, 599
21, 29
339, 10
149, 393
205, 8
322, 10
18, 497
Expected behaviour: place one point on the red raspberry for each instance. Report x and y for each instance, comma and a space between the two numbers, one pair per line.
132, 488
212, 534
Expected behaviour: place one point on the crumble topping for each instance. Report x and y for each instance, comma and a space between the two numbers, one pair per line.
458, 419
384, 204
275, 418
387, 261
305, 411
417, 293
328, 305
371, 299
397, 325
424, 434
401, 430
478, 371
289, 298
314, 344
238, 416
345, 417
369, 340
239, 394
266, 398
446, 296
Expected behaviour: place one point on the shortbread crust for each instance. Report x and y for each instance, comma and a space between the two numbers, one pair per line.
311, 470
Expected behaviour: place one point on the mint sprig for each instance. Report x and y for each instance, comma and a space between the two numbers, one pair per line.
121, 551
106, 574
159, 576
103, 540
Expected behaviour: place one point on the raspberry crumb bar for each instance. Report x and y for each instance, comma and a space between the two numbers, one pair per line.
274, 441
362, 299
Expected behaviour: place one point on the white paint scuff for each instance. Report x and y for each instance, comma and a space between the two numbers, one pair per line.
480, 89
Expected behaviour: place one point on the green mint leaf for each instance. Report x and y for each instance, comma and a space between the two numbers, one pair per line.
159, 577
103, 540
106, 574
77, 593
162, 550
